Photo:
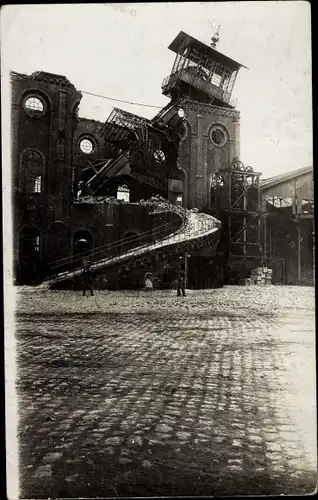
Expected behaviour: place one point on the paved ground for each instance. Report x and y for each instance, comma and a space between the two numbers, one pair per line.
136, 394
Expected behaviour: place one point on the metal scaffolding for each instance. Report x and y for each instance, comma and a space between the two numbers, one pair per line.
235, 200
120, 123
134, 149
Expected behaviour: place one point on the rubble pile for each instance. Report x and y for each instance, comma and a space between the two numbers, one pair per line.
259, 276
93, 200
194, 221
158, 204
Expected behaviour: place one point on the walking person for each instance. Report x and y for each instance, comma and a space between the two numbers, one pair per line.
88, 279
181, 282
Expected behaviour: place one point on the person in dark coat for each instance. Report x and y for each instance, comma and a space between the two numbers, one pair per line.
181, 281
88, 278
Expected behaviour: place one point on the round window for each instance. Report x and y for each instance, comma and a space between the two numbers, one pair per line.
86, 146
34, 106
218, 137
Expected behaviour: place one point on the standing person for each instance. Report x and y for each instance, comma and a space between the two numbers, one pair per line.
88, 278
148, 282
181, 281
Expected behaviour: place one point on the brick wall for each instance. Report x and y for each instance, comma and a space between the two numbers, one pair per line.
51, 135
199, 156
87, 129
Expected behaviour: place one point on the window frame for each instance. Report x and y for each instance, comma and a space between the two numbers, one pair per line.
219, 128
32, 113
28, 175
123, 188
38, 184
91, 140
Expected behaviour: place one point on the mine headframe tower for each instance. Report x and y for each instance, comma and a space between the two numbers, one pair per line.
200, 72
146, 151
236, 201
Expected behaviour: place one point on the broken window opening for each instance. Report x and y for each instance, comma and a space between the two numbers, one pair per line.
123, 193
38, 184
31, 174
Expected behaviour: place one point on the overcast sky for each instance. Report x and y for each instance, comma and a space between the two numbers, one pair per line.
121, 51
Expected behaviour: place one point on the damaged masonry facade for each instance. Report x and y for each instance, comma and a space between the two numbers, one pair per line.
135, 195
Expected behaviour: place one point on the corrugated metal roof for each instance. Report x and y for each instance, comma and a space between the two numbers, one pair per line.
278, 179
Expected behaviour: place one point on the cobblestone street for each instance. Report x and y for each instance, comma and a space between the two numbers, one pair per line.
135, 393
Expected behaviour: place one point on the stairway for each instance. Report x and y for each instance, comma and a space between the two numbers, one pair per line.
197, 230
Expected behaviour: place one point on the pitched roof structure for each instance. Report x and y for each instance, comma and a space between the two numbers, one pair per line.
288, 176
183, 39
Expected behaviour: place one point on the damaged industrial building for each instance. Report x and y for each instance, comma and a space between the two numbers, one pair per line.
136, 195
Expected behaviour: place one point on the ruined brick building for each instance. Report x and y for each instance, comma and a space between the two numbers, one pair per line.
78, 183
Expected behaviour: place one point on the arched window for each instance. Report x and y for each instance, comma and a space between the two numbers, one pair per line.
32, 172
123, 193
34, 106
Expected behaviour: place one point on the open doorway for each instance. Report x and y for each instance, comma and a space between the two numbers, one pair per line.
29, 256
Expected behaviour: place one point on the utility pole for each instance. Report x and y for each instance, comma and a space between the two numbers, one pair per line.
298, 252
186, 268
297, 216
